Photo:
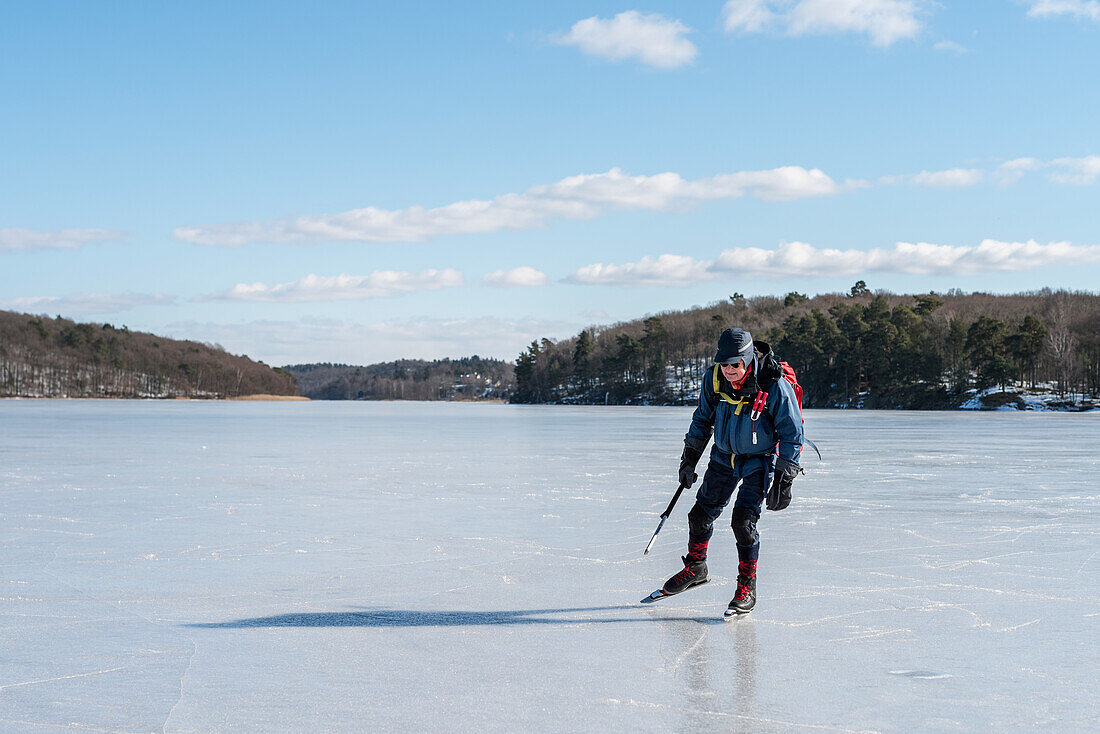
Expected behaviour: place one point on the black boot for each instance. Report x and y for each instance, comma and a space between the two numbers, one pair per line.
693, 573
745, 599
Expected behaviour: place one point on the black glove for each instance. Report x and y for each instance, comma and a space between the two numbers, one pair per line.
779, 495
688, 460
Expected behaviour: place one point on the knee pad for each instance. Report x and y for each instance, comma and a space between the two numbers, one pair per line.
699, 522
744, 526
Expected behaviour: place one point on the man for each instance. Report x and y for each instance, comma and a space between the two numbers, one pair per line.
754, 415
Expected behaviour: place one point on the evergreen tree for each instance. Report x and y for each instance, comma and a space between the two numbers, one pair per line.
879, 347
525, 370
853, 329
582, 350
795, 298
955, 343
654, 356
985, 345
926, 304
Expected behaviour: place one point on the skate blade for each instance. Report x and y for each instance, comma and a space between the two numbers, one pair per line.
731, 613
661, 593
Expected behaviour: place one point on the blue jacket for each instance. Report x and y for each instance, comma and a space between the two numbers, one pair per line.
730, 419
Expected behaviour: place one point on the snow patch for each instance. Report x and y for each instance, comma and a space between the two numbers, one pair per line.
1040, 398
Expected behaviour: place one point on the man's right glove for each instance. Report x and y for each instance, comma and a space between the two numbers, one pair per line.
688, 460
779, 495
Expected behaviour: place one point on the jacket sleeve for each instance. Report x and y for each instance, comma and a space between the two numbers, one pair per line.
702, 421
788, 421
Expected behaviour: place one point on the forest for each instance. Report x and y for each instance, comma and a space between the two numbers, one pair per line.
43, 357
857, 349
467, 378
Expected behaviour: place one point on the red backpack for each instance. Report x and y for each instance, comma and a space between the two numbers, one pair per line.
786, 373
762, 397
789, 376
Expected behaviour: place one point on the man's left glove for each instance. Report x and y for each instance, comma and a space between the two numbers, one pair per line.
688, 460
779, 495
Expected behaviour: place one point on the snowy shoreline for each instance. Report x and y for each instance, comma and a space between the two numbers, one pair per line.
1028, 400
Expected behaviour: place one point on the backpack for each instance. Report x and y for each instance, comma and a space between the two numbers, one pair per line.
773, 368
781, 371
789, 376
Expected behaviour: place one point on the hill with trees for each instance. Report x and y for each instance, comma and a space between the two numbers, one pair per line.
468, 378
860, 349
42, 357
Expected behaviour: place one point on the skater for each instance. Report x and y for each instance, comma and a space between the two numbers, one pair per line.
756, 420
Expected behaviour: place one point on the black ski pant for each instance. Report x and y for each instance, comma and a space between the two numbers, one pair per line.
717, 489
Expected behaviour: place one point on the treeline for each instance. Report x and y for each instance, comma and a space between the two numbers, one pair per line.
46, 357
860, 349
468, 378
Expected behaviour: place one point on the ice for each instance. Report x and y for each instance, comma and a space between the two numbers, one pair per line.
206, 566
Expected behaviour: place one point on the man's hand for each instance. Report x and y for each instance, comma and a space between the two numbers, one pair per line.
688, 460
779, 495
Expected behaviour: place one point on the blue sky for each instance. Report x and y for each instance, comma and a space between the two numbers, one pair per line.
360, 182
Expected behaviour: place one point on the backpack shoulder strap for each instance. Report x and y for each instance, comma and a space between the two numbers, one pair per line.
783, 371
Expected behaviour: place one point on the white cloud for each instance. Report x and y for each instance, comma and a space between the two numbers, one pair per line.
577, 197
516, 277
1013, 170
379, 284
884, 21
950, 47
922, 258
1082, 171
750, 16
798, 259
329, 340
1077, 8
951, 178
58, 239
77, 304
666, 270
1076, 171
650, 38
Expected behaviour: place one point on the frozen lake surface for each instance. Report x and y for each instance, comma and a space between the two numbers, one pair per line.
201, 566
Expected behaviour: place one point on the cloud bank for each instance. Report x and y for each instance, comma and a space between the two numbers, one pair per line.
79, 304
280, 342
1082, 171
949, 179
651, 39
1013, 170
588, 196
379, 284
58, 239
665, 270
950, 47
1089, 9
577, 197
522, 276
1076, 171
798, 259
883, 21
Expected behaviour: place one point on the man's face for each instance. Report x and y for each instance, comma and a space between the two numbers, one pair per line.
734, 372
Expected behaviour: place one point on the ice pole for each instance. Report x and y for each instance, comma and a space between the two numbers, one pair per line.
664, 516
